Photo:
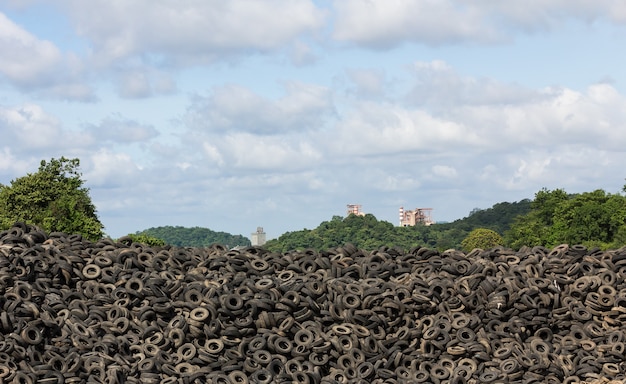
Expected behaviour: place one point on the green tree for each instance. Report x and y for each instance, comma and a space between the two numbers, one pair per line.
526, 230
535, 227
369, 233
620, 238
53, 198
147, 240
194, 237
497, 218
481, 238
592, 218
546, 203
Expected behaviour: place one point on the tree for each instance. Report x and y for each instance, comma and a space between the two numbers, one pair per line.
369, 233
475, 210
592, 218
481, 238
535, 227
527, 230
546, 203
193, 237
589, 217
52, 198
147, 240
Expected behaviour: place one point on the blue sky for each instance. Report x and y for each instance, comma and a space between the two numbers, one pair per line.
279, 113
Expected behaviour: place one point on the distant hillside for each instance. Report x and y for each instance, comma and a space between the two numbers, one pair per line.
368, 233
195, 237
499, 218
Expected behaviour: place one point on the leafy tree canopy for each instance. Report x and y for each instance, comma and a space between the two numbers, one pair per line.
193, 237
497, 218
368, 233
147, 239
482, 238
592, 218
362, 231
53, 198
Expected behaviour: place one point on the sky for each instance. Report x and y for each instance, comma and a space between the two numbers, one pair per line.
233, 115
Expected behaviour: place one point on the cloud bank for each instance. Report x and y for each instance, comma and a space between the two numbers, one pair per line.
275, 113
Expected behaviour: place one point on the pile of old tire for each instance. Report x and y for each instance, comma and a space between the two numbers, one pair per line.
75, 311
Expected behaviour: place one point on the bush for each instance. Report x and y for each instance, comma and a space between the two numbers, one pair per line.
481, 238
147, 240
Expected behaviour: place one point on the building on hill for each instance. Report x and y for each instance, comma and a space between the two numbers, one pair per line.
418, 216
258, 238
354, 209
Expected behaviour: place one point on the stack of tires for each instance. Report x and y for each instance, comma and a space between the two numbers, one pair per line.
75, 311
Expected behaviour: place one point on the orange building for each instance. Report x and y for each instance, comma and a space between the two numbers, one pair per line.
418, 216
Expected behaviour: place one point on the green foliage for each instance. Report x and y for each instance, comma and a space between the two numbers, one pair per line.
620, 238
147, 240
481, 238
497, 218
362, 231
526, 230
194, 237
552, 218
591, 218
368, 233
53, 198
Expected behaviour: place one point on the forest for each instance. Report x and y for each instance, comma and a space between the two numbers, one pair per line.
194, 237
55, 199
553, 217
369, 233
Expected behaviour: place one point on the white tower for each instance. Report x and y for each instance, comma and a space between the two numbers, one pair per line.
258, 237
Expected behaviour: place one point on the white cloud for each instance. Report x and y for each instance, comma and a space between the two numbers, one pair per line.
212, 154
31, 63
572, 165
12, 165
192, 31
531, 170
30, 131
29, 127
236, 108
444, 171
387, 23
108, 169
68, 91
30, 58
376, 129
134, 85
493, 115
183, 165
122, 130
391, 180
542, 15
251, 152
438, 85
142, 83
302, 54
554, 137
368, 83
559, 116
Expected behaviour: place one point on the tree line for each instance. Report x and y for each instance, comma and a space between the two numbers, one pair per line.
194, 236
55, 199
369, 233
592, 219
